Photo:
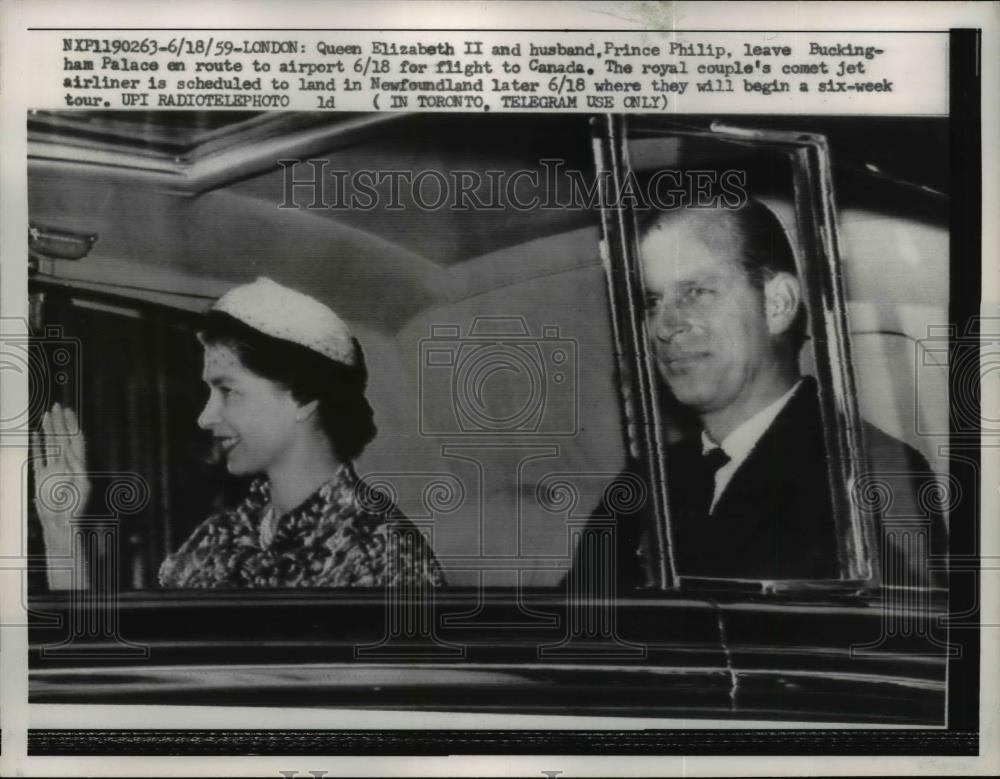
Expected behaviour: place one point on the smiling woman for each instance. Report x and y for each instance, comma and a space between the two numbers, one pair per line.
286, 406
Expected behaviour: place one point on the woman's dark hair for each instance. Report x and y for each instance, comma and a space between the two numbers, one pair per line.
344, 412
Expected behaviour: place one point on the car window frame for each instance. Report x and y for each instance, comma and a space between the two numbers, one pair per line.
819, 264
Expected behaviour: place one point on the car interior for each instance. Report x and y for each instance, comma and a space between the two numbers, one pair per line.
487, 335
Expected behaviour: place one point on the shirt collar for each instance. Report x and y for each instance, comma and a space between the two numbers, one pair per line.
741, 441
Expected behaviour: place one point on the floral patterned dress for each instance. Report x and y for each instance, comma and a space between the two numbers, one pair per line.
345, 534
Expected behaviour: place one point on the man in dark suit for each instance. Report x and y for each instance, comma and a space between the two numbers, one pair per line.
773, 517
749, 495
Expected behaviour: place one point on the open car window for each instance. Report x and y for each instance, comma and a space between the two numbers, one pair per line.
483, 317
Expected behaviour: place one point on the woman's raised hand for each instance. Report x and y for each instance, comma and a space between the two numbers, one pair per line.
62, 486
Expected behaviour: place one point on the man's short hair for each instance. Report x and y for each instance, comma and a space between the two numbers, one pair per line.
763, 247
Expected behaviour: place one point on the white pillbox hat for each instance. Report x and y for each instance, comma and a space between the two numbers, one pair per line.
284, 313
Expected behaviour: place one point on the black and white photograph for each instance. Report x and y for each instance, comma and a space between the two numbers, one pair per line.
657, 424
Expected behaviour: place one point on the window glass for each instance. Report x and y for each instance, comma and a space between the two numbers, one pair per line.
754, 440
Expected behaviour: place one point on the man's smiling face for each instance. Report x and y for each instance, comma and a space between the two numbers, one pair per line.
705, 320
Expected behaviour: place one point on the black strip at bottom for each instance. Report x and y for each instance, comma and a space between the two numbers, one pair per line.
525, 742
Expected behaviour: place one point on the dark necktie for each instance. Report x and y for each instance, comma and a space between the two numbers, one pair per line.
710, 462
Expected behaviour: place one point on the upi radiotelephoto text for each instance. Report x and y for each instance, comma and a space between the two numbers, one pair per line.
487, 71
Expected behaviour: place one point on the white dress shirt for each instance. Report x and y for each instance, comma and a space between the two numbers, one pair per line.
739, 443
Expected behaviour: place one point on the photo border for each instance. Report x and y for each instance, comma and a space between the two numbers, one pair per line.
960, 738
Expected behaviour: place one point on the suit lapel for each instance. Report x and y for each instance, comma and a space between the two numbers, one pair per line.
792, 441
